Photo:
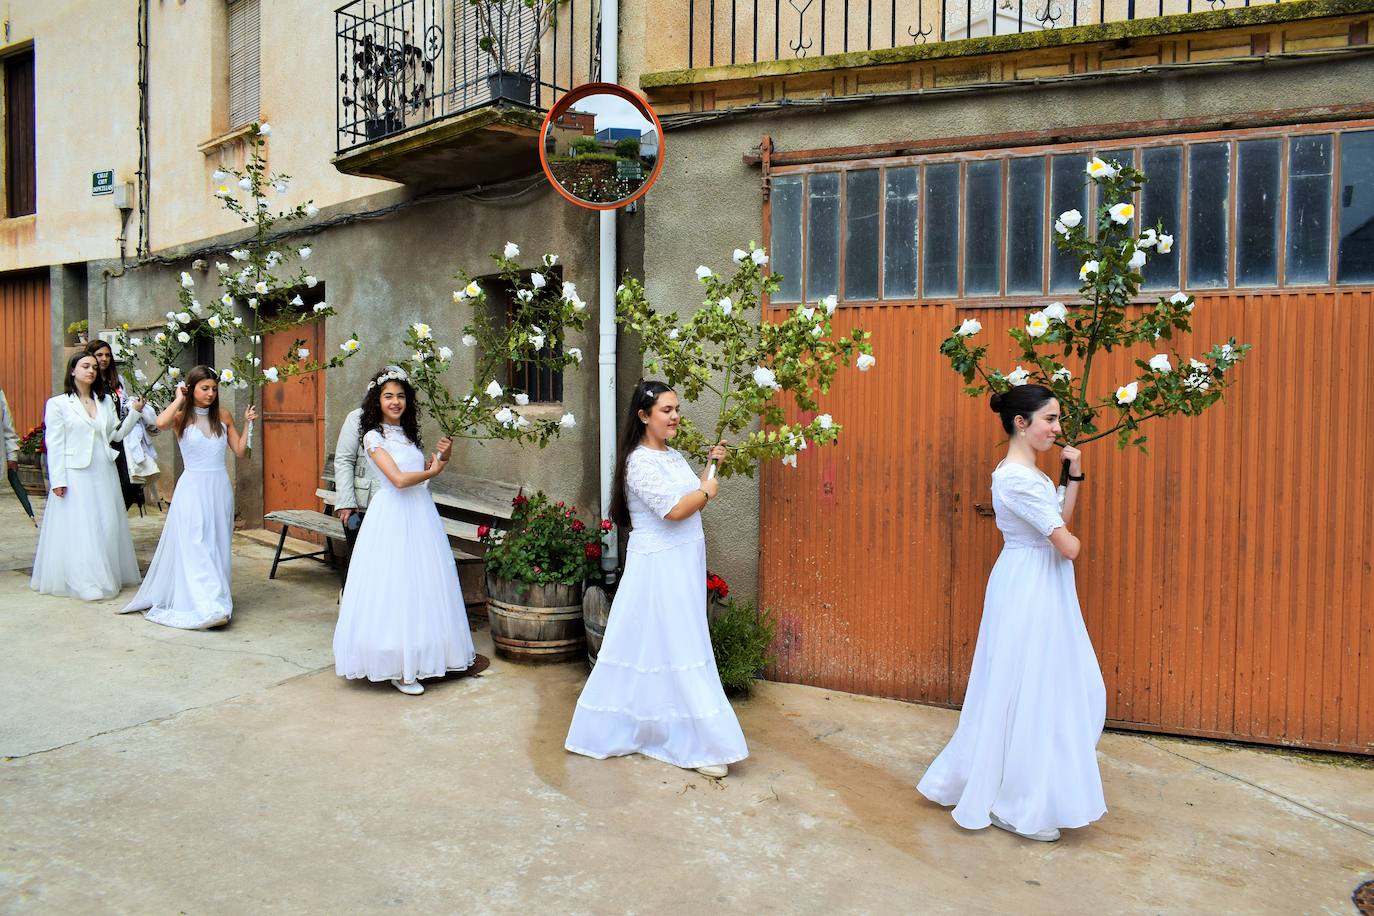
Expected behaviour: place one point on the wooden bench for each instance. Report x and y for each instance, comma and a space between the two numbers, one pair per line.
305, 520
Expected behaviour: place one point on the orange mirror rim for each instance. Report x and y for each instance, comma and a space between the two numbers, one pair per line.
581, 92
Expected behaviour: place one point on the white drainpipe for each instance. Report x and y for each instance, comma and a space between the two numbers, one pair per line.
606, 351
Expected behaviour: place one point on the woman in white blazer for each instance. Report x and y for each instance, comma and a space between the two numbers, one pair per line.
84, 547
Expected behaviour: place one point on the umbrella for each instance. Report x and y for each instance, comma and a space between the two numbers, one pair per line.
13, 475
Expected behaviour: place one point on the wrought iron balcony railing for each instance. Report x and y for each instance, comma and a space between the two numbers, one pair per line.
406, 63
723, 32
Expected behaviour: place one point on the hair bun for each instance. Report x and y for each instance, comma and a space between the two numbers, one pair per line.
997, 401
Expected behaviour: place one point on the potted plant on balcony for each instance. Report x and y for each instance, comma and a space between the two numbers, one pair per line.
78, 330
535, 574
511, 31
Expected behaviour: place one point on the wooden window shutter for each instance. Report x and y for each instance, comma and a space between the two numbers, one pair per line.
21, 186
244, 63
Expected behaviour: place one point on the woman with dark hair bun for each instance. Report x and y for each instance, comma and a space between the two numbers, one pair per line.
655, 689
135, 455
1023, 757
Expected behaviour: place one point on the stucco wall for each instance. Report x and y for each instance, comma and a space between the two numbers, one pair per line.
707, 201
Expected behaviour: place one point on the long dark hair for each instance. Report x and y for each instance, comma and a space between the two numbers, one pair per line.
69, 383
372, 406
631, 434
1019, 401
183, 417
109, 376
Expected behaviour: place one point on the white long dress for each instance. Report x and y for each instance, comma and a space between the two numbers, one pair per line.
402, 614
84, 548
187, 585
1025, 748
655, 689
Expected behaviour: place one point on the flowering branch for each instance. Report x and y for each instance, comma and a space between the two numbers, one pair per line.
747, 364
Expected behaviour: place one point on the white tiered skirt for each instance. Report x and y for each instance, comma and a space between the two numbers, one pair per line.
84, 547
655, 690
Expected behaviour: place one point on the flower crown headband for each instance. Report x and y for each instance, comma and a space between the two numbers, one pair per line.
394, 375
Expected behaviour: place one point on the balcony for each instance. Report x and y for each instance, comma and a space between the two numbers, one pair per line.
419, 101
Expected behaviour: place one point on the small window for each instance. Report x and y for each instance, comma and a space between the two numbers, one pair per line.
1309, 210
983, 229
823, 236
1355, 252
786, 241
941, 265
1159, 206
861, 234
542, 383
1026, 226
20, 150
1257, 212
1209, 186
1068, 191
244, 63
901, 232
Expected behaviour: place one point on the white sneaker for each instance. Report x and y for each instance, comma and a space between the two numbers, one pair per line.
1040, 836
715, 770
410, 688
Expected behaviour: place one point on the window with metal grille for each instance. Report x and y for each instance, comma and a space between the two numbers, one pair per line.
20, 153
542, 384
244, 63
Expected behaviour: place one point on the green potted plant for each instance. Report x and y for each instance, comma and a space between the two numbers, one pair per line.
504, 32
79, 330
535, 575
741, 637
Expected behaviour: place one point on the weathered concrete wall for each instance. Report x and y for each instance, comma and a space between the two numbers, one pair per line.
707, 201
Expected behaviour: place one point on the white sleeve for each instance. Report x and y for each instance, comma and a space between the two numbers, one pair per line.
372, 441
1032, 500
644, 478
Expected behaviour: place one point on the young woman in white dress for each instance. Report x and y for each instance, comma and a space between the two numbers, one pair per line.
655, 689
132, 451
402, 616
1023, 757
187, 585
84, 547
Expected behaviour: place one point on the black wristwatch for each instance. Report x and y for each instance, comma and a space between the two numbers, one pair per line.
1079, 477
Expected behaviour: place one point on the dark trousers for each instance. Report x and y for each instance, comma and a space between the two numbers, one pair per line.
351, 537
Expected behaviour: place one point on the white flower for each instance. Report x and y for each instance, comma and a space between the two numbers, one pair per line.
260, 287
265, 129
739, 255
311, 210
187, 280
221, 267
575, 353
790, 460
825, 421
139, 376
1099, 169
765, 378
348, 346
1160, 363
227, 376
567, 421
550, 260
1228, 353
538, 281
255, 361
246, 183
183, 337
830, 302
280, 186
673, 334
319, 307
758, 256
1198, 366
1037, 324
297, 300
1126, 393
417, 357
1197, 382
218, 176
1166, 244
469, 340
1137, 260
306, 252
807, 313
174, 372
1148, 239
197, 308
577, 304
1018, 376
1183, 299
521, 422
970, 327
445, 353
422, 331
865, 362
184, 317
303, 353
470, 400
1056, 311
255, 338
1071, 218
228, 300
238, 321
522, 399
727, 305
505, 416
537, 341
270, 373
1089, 267
1121, 213
214, 322
310, 281
1062, 374
135, 342
703, 272
818, 331
160, 338
511, 250
524, 295
494, 390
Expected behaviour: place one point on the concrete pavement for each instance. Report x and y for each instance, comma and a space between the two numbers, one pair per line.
150, 770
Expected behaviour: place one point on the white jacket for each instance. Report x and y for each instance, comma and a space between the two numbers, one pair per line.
353, 480
75, 439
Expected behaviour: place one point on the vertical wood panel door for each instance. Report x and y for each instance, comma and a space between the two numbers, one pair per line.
25, 346
292, 427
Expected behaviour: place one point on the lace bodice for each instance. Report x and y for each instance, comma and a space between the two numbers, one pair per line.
654, 482
200, 451
1026, 505
405, 453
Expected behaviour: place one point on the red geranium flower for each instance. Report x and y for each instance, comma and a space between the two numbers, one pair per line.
577, 525
519, 501
606, 524
593, 551
483, 530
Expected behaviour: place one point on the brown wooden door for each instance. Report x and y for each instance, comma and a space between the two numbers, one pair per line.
292, 427
25, 346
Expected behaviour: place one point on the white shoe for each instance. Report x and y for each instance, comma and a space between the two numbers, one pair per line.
1040, 836
410, 688
715, 770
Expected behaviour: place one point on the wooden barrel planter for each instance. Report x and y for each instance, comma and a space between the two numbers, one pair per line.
538, 623
33, 475
596, 610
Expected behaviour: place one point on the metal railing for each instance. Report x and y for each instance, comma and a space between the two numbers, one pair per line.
723, 32
406, 63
